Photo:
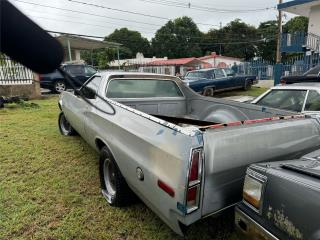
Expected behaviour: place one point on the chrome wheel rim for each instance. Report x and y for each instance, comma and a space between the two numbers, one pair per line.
65, 125
109, 179
60, 87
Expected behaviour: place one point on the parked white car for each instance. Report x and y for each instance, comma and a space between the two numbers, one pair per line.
298, 97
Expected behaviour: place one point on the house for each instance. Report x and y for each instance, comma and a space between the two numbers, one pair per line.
220, 61
302, 42
178, 66
74, 44
139, 60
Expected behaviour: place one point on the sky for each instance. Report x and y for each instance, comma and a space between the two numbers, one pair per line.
105, 21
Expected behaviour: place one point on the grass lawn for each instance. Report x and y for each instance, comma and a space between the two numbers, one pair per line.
254, 92
49, 187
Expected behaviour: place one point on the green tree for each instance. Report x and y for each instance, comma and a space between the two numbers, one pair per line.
296, 24
268, 31
177, 38
236, 39
132, 42
99, 57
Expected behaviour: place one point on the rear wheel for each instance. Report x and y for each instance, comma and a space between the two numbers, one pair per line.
59, 86
208, 92
65, 127
114, 187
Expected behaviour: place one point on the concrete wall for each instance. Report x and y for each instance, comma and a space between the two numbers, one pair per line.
314, 20
30, 91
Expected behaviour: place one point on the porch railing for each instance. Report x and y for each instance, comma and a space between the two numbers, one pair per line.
13, 73
313, 42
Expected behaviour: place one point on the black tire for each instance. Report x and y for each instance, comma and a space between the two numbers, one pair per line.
113, 185
59, 86
208, 92
248, 85
65, 127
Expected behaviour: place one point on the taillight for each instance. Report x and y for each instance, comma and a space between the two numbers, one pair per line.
194, 181
283, 82
194, 168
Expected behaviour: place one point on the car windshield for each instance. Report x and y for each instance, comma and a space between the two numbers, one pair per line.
284, 99
200, 74
313, 71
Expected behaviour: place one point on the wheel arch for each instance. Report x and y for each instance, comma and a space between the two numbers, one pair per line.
211, 86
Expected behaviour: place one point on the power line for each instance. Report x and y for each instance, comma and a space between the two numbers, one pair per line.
83, 23
131, 12
86, 13
201, 43
202, 8
94, 21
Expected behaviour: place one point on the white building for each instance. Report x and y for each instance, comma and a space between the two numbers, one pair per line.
220, 61
139, 60
310, 9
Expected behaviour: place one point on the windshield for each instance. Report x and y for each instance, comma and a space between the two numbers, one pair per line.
199, 74
284, 99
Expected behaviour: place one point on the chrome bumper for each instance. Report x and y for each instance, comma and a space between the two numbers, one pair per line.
250, 229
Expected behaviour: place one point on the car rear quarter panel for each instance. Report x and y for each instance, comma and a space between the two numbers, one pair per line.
161, 152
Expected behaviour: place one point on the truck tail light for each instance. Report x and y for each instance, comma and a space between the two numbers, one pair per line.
194, 181
194, 168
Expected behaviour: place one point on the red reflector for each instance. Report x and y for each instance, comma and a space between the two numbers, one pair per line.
257, 120
217, 126
234, 124
192, 196
166, 188
194, 168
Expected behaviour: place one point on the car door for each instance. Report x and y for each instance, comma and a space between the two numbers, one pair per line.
233, 80
220, 81
82, 103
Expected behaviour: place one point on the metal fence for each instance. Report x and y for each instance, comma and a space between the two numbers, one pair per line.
295, 65
13, 73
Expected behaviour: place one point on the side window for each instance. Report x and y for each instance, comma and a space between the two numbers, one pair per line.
75, 70
229, 72
219, 73
142, 88
90, 71
90, 90
313, 101
210, 75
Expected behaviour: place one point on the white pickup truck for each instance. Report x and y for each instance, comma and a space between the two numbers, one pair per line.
183, 154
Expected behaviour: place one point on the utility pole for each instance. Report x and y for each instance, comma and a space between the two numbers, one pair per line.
278, 59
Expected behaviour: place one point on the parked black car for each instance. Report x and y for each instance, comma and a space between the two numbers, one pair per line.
281, 200
313, 75
56, 82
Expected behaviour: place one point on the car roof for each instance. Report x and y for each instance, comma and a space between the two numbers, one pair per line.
297, 86
109, 74
203, 70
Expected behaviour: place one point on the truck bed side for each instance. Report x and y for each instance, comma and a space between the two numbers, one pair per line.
229, 150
